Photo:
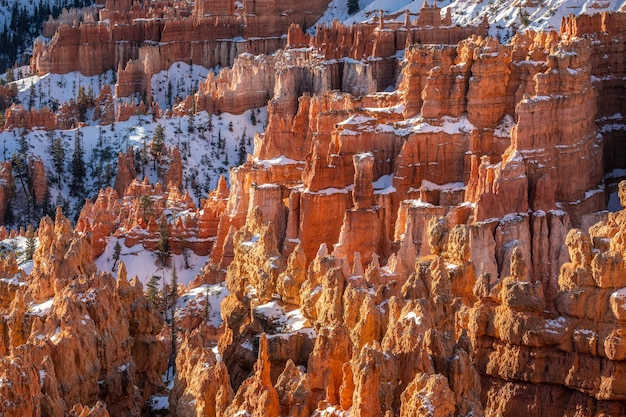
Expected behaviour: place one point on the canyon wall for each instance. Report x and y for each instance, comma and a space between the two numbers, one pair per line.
439, 249
153, 38
449, 201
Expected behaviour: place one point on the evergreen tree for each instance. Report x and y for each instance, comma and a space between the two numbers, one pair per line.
57, 151
168, 94
221, 143
182, 244
10, 76
30, 242
152, 289
207, 306
144, 155
173, 298
191, 125
117, 252
31, 97
146, 207
23, 148
83, 103
79, 171
20, 168
158, 144
241, 151
174, 289
353, 6
163, 246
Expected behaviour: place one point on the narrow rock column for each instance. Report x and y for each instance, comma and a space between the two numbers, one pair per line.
363, 193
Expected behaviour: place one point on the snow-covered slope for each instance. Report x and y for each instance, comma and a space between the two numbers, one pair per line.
209, 144
505, 17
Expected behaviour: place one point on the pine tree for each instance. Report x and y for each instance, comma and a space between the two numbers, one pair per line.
143, 156
353, 6
152, 289
163, 246
174, 285
157, 145
117, 252
82, 102
18, 162
221, 143
184, 249
146, 207
191, 125
168, 94
31, 97
57, 151
30, 242
241, 152
23, 143
173, 298
9, 75
79, 171
207, 306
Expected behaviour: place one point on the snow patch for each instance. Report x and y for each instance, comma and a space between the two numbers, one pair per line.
41, 309
620, 297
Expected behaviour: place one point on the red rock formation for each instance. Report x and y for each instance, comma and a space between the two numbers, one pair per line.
104, 110
17, 116
125, 171
142, 41
462, 127
38, 184
68, 116
74, 334
580, 330
7, 93
99, 410
248, 84
126, 111
125, 217
453, 287
361, 230
608, 74
171, 168
257, 396
6, 179
202, 384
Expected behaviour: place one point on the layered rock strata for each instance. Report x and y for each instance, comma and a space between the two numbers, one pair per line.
448, 209
401, 253
140, 40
